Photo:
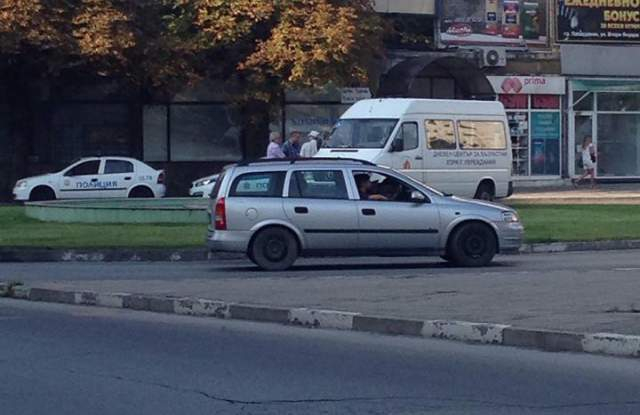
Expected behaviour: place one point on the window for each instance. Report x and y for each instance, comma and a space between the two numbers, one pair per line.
267, 184
440, 135
408, 135
361, 133
84, 169
379, 187
482, 135
118, 167
320, 184
155, 134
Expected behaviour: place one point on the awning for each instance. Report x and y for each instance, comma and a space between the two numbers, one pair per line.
605, 85
399, 82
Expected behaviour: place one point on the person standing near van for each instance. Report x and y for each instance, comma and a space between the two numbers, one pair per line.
291, 148
588, 156
310, 148
274, 150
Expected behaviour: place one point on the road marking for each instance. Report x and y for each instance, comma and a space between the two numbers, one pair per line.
626, 269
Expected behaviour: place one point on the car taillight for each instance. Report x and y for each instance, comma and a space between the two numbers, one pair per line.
161, 178
220, 215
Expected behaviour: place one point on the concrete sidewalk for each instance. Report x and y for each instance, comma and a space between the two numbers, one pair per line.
603, 194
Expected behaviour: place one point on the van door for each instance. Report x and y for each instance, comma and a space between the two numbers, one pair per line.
443, 162
406, 153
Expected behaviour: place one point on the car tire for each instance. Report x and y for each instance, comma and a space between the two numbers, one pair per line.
486, 191
472, 245
42, 194
140, 193
274, 249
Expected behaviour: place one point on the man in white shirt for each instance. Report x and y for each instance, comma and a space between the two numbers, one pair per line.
310, 148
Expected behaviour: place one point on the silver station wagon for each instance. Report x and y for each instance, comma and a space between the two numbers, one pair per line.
278, 210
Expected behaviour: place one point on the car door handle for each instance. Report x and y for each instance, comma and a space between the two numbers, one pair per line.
301, 210
127, 178
94, 180
369, 212
418, 157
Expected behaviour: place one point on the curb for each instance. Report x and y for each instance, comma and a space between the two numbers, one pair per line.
481, 333
191, 255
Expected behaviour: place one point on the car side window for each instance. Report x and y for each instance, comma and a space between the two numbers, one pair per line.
440, 134
262, 184
374, 186
318, 184
84, 169
118, 167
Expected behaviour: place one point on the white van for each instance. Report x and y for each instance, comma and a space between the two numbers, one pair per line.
459, 147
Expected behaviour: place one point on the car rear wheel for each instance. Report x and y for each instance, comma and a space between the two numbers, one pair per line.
274, 249
472, 245
140, 193
41, 194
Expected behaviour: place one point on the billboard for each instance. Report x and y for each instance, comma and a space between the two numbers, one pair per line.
598, 21
494, 22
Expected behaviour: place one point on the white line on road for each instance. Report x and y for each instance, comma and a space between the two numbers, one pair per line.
626, 269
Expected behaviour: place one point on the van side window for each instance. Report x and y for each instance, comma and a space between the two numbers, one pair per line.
440, 134
408, 135
263, 184
482, 135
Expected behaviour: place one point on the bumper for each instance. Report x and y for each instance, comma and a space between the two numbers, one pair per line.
21, 194
510, 237
228, 241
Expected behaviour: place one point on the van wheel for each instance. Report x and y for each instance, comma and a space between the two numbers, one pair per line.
140, 193
472, 245
486, 191
274, 249
41, 194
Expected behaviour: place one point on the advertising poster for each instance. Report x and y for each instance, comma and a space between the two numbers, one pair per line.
545, 143
494, 22
598, 21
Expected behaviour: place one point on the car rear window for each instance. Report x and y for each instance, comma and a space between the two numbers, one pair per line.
262, 184
118, 166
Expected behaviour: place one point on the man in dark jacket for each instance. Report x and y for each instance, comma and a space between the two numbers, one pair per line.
291, 148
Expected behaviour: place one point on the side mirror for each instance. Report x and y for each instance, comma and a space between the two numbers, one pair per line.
417, 197
397, 145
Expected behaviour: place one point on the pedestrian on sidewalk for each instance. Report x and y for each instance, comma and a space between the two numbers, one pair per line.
291, 148
311, 147
589, 159
274, 150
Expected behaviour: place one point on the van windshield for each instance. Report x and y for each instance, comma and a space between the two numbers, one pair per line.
361, 133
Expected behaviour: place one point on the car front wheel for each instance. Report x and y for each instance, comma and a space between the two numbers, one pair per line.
274, 249
472, 245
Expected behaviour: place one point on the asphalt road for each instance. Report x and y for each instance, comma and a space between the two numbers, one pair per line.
70, 360
576, 262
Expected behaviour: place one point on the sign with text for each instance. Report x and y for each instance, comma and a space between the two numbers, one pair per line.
494, 22
598, 21
548, 85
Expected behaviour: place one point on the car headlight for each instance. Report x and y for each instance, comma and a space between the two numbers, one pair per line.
203, 183
510, 217
22, 184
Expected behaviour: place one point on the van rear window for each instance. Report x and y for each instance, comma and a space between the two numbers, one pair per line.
262, 184
482, 135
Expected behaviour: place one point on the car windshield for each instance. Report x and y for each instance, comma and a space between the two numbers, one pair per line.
365, 133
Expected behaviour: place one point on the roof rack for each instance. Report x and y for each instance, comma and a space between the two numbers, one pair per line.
313, 159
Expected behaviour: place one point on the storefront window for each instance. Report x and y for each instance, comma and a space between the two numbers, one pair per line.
620, 102
618, 145
307, 117
583, 101
535, 129
203, 133
155, 139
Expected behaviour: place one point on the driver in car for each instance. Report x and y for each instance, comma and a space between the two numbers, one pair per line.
366, 188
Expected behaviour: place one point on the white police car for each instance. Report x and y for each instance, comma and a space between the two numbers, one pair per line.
203, 186
94, 177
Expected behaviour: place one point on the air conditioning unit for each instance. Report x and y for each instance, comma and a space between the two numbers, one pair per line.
492, 57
